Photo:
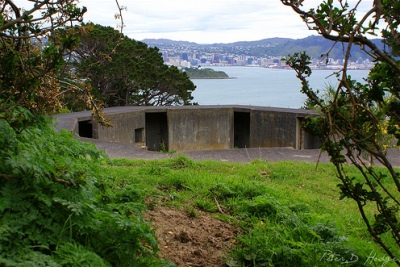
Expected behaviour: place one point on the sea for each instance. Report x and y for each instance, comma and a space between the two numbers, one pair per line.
258, 86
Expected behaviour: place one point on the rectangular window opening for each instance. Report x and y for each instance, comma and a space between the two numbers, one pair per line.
139, 135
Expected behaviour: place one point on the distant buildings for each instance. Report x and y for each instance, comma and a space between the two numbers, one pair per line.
185, 56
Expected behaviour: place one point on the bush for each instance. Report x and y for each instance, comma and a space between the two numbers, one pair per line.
56, 208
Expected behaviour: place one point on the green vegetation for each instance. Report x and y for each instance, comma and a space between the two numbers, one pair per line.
207, 73
360, 119
63, 203
125, 72
58, 209
290, 212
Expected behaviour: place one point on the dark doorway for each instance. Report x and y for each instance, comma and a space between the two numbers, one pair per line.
85, 129
241, 129
157, 131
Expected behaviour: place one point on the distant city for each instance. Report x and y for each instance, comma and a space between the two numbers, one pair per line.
263, 53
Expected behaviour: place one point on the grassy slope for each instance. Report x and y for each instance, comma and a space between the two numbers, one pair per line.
291, 212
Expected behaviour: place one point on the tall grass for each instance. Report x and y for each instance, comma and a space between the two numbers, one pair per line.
291, 213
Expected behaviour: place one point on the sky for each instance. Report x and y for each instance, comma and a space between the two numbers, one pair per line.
204, 21
200, 21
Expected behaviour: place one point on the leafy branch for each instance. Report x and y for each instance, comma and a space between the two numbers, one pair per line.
360, 121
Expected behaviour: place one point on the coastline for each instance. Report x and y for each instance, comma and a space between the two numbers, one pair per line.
212, 78
313, 67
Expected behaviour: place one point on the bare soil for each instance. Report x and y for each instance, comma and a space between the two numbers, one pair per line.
191, 241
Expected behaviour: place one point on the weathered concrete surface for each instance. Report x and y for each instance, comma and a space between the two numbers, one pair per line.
116, 150
124, 126
200, 129
272, 129
127, 122
69, 121
195, 127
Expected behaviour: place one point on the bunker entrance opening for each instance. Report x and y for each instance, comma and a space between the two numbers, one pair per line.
157, 131
241, 129
85, 128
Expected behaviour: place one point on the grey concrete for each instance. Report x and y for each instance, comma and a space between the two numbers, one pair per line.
124, 126
116, 150
195, 127
200, 129
204, 133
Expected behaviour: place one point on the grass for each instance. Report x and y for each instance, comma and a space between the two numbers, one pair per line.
290, 212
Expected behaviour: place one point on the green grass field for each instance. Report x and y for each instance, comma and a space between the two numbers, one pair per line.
291, 213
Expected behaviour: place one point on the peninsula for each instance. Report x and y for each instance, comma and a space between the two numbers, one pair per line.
205, 73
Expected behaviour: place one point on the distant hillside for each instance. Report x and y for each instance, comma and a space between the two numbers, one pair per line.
315, 46
263, 42
167, 42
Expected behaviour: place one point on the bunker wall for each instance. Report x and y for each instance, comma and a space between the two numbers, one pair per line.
127, 128
200, 129
272, 129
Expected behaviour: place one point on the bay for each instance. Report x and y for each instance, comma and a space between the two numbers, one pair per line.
259, 86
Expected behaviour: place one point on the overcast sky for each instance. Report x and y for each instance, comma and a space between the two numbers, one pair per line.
201, 21
204, 21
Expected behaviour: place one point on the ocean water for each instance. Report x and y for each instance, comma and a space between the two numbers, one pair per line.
258, 86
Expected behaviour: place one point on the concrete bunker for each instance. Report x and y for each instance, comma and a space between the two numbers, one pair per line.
197, 127
156, 131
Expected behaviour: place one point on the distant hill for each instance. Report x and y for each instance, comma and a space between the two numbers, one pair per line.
167, 42
315, 46
263, 42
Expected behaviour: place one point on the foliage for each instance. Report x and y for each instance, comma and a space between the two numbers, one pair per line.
288, 217
57, 209
360, 119
129, 73
35, 43
31, 54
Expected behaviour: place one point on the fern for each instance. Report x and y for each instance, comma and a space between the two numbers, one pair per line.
52, 208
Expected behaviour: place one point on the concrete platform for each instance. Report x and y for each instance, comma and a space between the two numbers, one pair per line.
117, 150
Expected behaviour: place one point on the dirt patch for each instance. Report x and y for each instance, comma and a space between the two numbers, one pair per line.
186, 241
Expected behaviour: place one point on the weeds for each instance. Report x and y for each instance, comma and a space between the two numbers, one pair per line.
290, 213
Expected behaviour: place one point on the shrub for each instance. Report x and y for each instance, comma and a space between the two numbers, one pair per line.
56, 208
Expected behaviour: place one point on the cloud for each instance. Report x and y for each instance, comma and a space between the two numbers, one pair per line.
203, 21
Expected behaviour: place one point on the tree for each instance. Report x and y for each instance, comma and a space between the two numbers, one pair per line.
31, 53
56, 208
360, 118
134, 74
